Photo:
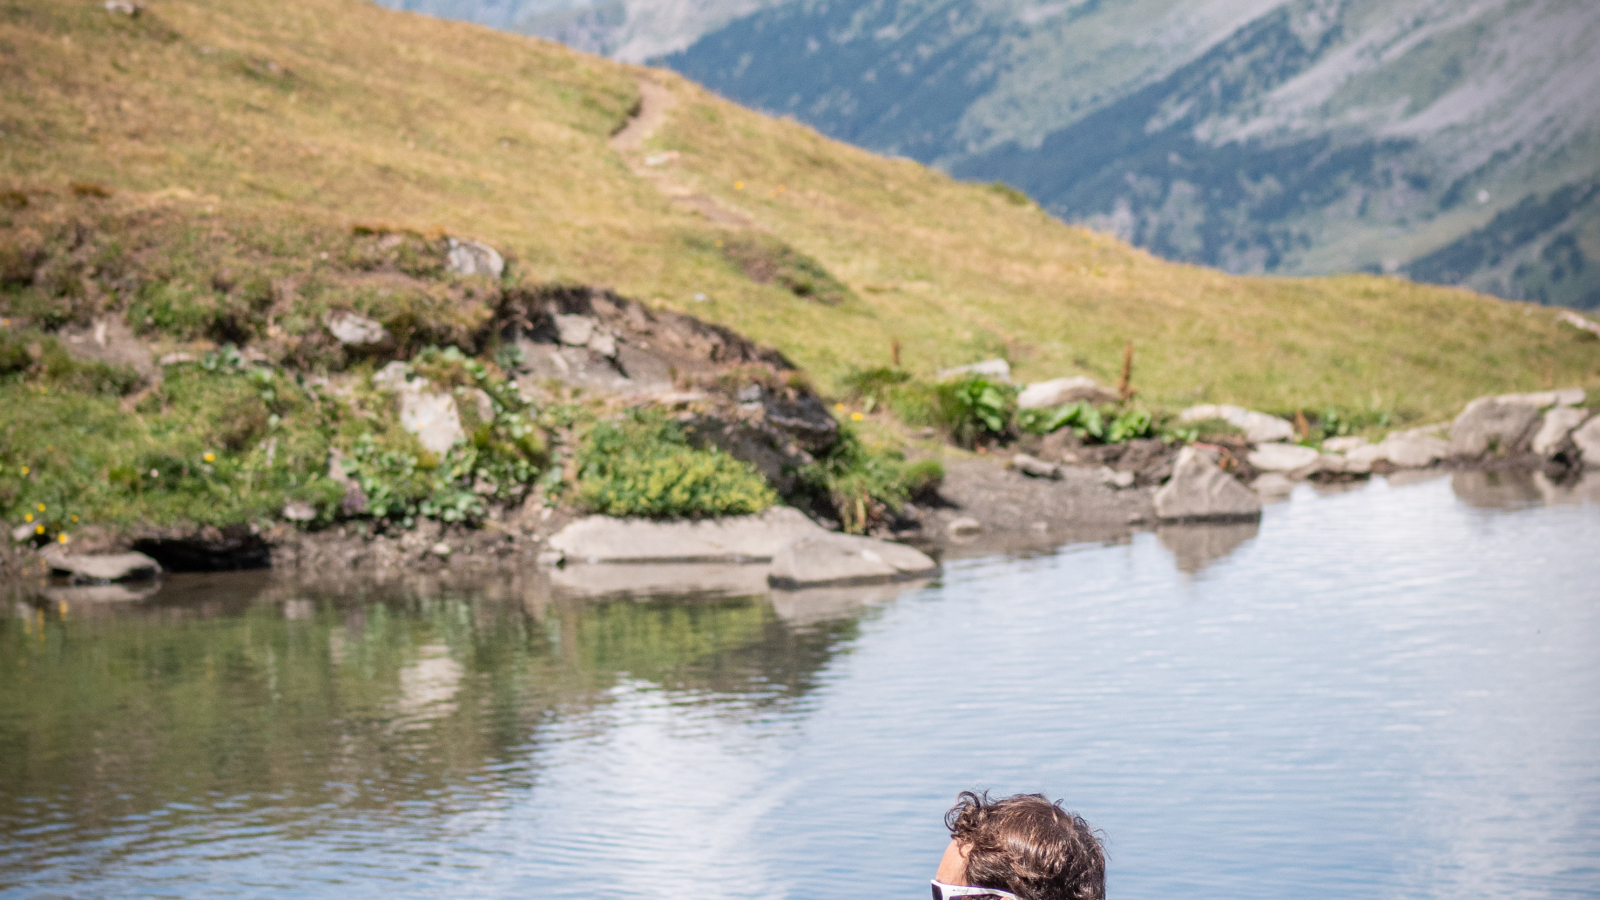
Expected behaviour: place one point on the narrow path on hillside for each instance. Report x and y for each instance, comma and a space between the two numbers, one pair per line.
655, 101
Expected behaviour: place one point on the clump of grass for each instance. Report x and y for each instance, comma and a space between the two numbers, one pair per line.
766, 260
643, 465
864, 486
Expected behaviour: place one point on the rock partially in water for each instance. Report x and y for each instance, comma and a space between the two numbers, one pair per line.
101, 568
1258, 428
1274, 457
1554, 429
1499, 424
1273, 484
730, 539
1057, 391
1200, 491
1587, 440
846, 559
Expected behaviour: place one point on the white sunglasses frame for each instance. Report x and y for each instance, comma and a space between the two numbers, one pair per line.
942, 891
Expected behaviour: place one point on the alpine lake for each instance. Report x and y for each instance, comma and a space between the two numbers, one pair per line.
1391, 691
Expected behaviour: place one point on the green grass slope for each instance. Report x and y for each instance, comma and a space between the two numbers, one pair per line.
315, 115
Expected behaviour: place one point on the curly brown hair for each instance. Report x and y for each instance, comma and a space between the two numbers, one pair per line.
1028, 846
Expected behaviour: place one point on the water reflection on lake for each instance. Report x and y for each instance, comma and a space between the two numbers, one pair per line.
1391, 691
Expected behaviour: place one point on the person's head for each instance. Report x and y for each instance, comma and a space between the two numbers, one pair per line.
1025, 845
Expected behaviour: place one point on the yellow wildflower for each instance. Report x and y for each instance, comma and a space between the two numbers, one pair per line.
28, 517
74, 518
838, 407
38, 529
41, 507
24, 470
211, 457
62, 538
738, 185
856, 417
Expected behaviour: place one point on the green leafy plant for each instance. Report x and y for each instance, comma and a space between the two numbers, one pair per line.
644, 466
974, 408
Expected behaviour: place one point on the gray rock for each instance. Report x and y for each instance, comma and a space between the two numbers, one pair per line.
1282, 457
1502, 425
393, 377
1553, 430
1414, 449
846, 559
433, 419
482, 404
22, 533
354, 330
729, 539
101, 567
440, 549
1258, 428
1046, 394
1037, 468
299, 511
964, 525
1587, 439
473, 258
996, 369
575, 331
1273, 484
1199, 490
1343, 444
1111, 478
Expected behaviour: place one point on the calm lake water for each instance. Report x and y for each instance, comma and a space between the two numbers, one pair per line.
1387, 692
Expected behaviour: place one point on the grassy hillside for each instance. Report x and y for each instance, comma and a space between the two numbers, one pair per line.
335, 112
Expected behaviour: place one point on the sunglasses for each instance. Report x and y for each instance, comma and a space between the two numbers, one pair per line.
942, 891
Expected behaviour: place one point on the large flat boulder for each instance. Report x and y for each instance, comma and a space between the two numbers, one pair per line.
1258, 427
100, 568
604, 539
1494, 424
1553, 430
1058, 391
827, 558
1200, 491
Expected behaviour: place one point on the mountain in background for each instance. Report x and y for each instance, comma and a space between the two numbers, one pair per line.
1452, 141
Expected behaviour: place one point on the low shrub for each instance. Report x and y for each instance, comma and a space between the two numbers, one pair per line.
644, 466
